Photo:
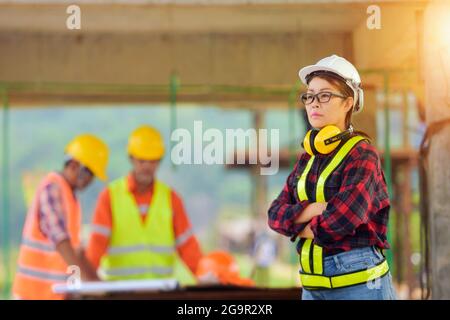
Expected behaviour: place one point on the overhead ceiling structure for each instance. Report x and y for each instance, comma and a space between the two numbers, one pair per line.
244, 53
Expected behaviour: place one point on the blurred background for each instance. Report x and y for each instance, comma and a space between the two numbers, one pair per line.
231, 64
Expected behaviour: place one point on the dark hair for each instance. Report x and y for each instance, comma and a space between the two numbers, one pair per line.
67, 162
343, 89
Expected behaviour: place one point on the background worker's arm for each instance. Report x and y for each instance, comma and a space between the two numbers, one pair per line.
73, 258
52, 223
186, 243
100, 230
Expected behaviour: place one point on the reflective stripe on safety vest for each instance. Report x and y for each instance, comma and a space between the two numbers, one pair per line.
311, 258
38, 245
304, 256
335, 162
317, 259
313, 281
311, 255
139, 250
42, 274
301, 186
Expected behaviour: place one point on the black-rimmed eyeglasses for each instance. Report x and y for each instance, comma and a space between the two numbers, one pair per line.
322, 97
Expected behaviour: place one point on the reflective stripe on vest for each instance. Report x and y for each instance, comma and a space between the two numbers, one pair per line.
317, 259
335, 162
312, 281
138, 271
301, 186
311, 255
304, 256
139, 250
38, 245
42, 274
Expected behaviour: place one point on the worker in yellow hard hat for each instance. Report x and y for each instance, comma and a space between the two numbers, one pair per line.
51, 235
140, 223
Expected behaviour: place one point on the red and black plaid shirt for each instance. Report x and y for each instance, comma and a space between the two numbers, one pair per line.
358, 203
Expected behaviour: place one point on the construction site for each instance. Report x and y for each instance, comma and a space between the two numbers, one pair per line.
203, 69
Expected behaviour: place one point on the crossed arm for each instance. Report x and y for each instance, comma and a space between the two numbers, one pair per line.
290, 217
312, 210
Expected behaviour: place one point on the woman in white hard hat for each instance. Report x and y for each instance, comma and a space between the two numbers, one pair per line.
335, 200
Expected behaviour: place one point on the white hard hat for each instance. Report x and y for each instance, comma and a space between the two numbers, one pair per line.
344, 69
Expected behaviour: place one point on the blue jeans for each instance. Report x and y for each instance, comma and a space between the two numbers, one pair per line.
351, 261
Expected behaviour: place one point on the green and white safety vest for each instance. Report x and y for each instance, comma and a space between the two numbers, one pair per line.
139, 250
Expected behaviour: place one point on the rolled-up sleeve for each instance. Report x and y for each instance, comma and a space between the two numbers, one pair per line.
52, 219
350, 206
286, 208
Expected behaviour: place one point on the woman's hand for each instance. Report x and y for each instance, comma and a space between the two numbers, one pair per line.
312, 210
307, 232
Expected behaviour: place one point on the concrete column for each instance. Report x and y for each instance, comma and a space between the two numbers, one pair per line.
437, 100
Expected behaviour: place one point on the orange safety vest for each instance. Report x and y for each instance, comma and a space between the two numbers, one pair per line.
40, 266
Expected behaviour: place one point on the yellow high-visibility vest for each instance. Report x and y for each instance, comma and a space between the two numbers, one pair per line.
311, 255
139, 250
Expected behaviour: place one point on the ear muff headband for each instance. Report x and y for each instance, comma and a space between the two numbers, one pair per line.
337, 137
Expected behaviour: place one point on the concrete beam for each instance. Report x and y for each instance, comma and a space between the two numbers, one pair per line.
147, 17
245, 59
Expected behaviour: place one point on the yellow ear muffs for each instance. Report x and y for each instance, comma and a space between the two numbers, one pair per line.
323, 141
308, 142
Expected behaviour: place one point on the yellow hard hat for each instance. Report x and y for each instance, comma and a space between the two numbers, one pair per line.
146, 143
91, 152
